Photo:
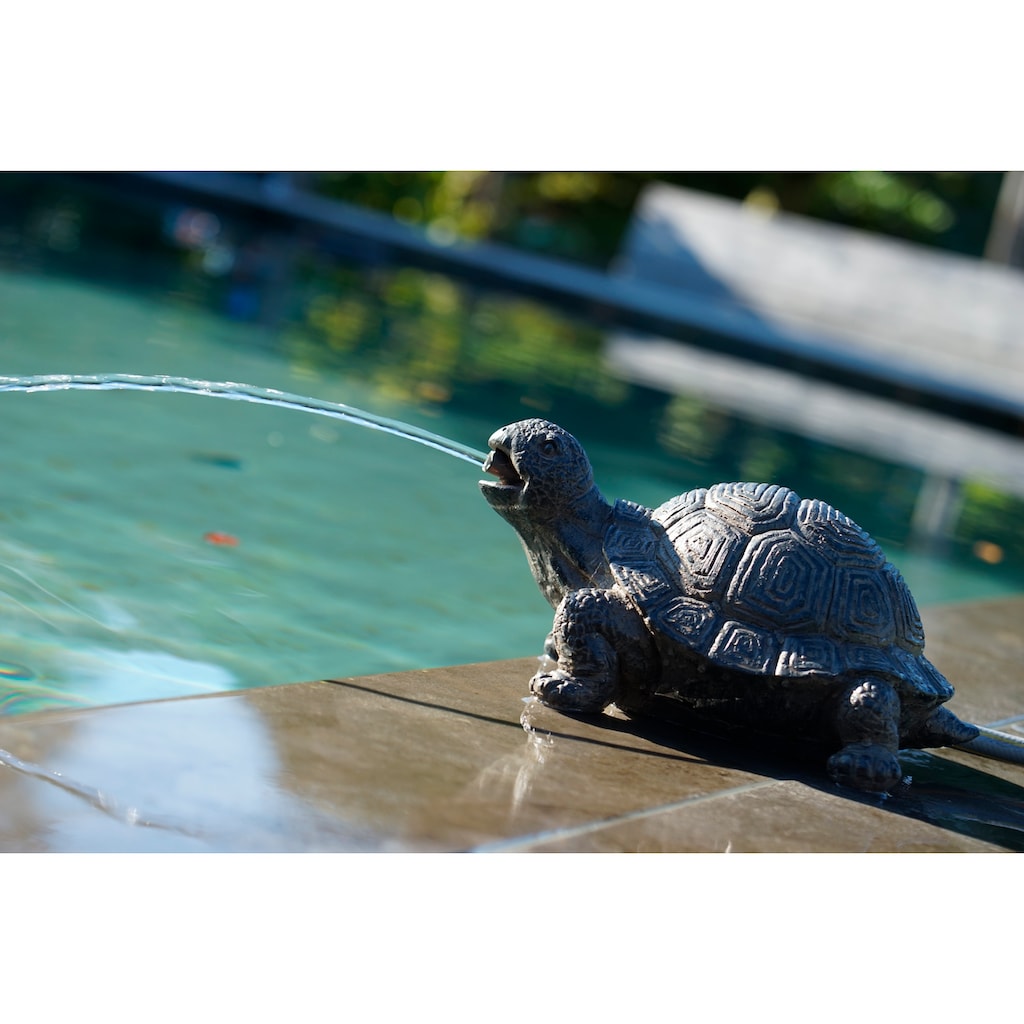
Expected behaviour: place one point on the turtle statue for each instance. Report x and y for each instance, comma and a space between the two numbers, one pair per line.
741, 605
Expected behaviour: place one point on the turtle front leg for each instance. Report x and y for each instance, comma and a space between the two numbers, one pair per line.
597, 637
868, 724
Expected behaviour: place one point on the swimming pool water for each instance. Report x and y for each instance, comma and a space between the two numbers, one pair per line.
163, 544
158, 545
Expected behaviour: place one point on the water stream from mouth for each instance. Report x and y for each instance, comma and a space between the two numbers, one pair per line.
244, 393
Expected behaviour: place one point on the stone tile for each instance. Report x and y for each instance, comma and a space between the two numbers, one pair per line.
455, 759
771, 817
431, 760
979, 646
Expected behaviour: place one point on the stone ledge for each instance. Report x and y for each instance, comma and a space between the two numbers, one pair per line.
453, 759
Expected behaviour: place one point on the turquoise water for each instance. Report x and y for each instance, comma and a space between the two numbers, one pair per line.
163, 544
353, 551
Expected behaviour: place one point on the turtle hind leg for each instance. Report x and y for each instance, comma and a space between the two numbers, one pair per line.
598, 638
867, 721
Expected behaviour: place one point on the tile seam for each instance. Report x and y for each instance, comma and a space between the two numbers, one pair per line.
1005, 721
571, 832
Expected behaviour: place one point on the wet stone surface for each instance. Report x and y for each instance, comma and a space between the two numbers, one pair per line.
455, 759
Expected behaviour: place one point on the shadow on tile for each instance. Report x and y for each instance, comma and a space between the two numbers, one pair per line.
936, 789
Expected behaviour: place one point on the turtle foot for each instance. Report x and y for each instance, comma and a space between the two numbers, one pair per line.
865, 766
564, 692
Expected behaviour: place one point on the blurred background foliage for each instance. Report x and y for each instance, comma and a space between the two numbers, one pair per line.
582, 215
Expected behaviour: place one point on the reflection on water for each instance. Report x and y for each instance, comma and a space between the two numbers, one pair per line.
171, 778
93, 797
108, 675
14, 672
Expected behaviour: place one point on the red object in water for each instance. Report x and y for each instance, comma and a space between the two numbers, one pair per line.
214, 537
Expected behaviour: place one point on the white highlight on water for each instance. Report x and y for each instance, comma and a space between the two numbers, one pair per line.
243, 393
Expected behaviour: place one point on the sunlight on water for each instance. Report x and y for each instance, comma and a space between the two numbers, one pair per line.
244, 393
15, 672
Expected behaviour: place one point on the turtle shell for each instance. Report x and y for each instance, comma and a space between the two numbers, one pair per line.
753, 578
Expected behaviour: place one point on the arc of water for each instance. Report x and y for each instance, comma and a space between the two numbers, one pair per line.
244, 393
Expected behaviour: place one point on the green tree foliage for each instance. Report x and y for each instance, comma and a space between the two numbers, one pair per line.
581, 215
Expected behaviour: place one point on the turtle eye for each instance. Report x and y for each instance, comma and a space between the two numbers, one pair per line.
549, 447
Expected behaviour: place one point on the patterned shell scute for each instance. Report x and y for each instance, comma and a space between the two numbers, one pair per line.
927, 678
781, 584
688, 621
753, 507
641, 556
707, 548
868, 658
739, 646
646, 583
808, 656
837, 536
909, 627
862, 607
752, 578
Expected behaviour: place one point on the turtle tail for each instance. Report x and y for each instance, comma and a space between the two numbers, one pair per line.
943, 729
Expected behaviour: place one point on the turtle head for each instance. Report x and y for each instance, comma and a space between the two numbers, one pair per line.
545, 490
542, 471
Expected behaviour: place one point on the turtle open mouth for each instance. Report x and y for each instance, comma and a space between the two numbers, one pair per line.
500, 464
